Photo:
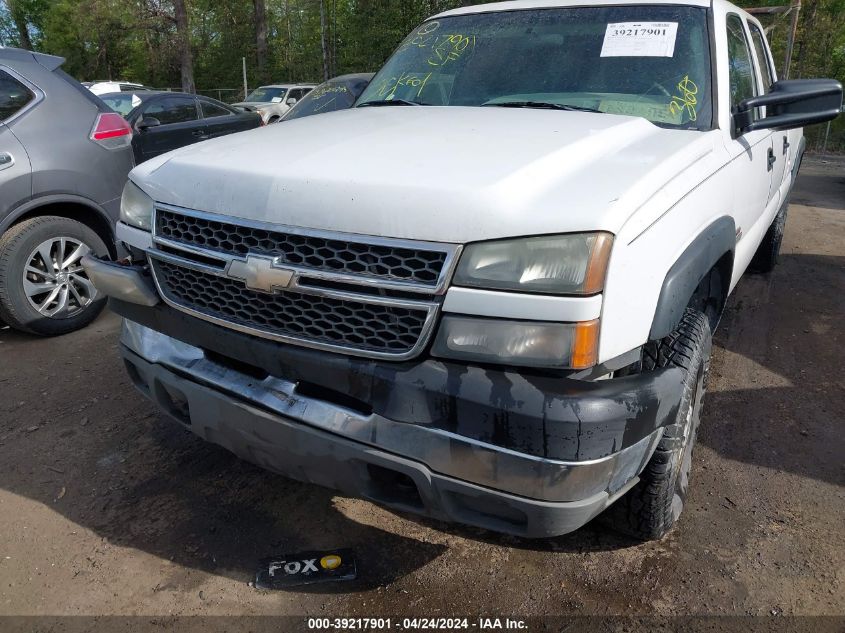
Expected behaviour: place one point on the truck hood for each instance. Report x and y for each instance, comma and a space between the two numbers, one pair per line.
449, 174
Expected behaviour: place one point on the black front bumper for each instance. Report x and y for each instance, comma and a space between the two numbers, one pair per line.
300, 451
529, 455
544, 416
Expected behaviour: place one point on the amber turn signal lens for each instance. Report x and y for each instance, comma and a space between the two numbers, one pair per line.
597, 266
585, 344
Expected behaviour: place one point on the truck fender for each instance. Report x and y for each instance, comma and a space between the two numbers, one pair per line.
711, 245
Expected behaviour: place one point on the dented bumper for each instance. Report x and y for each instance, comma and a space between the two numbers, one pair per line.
529, 455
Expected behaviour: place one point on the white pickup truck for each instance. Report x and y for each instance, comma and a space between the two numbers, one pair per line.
486, 293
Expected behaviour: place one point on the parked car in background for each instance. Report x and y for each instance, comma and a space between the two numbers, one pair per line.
273, 102
335, 94
163, 121
64, 157
104, 87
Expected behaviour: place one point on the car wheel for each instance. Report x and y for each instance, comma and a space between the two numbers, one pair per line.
767, 254
273, 119
43, 287
650, 509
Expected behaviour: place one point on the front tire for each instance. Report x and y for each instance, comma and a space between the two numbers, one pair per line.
650, 509
43, 288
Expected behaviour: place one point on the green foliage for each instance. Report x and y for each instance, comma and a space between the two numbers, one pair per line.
137, 39
8, 37
819, 51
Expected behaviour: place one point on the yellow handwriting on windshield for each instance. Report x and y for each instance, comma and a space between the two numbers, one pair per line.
387, 88
424, 36
319, 93
325, 104
687, 100
449, 48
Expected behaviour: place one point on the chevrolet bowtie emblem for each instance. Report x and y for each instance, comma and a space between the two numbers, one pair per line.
259, 273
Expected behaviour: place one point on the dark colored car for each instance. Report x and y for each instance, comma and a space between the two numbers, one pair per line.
163, 121
64, 158
335, 94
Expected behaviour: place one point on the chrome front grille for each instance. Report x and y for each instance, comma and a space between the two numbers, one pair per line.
302, 287
315, 252
364, 326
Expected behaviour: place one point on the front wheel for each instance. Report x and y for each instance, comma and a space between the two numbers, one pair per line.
43, 287
650, 509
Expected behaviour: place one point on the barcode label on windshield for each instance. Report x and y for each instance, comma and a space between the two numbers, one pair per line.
640, 39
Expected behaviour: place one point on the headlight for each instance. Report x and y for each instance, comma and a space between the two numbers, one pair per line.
136, 207
521, 343
557, 264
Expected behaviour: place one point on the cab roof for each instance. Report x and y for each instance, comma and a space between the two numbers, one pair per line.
514, 5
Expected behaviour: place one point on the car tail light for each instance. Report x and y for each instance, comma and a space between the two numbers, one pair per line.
111, 131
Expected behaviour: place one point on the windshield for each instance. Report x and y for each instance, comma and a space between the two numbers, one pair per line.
646, 61
328, 97
266, 95
122, 102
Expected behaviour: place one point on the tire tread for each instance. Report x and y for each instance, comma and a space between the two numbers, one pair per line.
645, 511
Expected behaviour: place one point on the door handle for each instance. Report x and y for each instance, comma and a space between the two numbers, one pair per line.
6, 160
785, 144
772, 158
197, 133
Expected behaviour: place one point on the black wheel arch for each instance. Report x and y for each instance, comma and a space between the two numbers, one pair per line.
67, 206
700, 278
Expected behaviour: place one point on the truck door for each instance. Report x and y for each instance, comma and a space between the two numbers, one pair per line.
751, 153
781, 154
15, 171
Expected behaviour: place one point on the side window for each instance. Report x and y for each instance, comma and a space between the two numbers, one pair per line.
741, 71
13, 96
211, 110
294, 94
762, 57
173, 110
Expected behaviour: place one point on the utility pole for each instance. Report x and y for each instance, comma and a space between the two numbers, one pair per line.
246, 90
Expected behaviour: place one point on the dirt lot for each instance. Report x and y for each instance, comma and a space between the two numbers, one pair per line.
107, 508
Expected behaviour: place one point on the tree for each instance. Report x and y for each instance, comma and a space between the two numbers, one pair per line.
260, 7
19, 18
323, 40
184, 39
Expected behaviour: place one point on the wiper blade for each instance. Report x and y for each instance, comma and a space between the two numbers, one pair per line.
547, 105
390, 102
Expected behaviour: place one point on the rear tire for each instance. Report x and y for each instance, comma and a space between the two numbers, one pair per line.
767, 254
650, 509
43, 289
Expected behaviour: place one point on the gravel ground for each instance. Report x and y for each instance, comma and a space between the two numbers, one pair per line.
107, 508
